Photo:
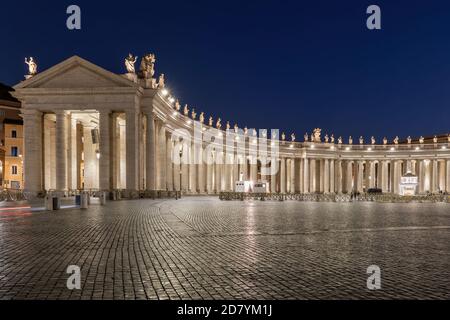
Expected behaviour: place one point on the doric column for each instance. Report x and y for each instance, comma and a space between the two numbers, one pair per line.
61, 150
326, 176
150, 148
372, 175
132, 150
360, 177
292, 175
32, 126
162, 167
274, 171
349, 177
104, 148
254, 169
448, 176
312, 175
193, 168
339, 176
305, 175
442, 169
283, 175
332, 176
169, 164
201, 169
397, 173
218, 172
434, 179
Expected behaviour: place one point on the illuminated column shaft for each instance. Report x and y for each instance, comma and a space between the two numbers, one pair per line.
326, 176
312, 176
349, 179
185, 168
283, 175
193, 168
200, 167
448, 176
434, 178
61, 150
169, 164
150, 149
442, 169
332, 176
339, 176
32, 126
385, 176
104, 146
292, 176
396, 180
305, 169
360, 181
162, 167
372, 177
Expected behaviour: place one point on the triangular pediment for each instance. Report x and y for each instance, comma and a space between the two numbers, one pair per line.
75, 72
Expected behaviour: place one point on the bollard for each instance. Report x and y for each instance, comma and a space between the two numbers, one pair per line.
102, 198
84, 200
56, 203
48, 202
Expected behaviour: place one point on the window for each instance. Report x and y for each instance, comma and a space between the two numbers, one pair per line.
14, 152
13, 134
14, 169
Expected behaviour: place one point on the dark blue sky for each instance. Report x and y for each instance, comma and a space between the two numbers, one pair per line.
292, 65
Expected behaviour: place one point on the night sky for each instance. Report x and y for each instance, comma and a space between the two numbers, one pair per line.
290, 65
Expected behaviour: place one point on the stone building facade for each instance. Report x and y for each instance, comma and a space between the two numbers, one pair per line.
88, 128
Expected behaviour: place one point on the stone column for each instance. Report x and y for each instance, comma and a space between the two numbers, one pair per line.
185, 167
326, 176
169, 164
104, 148
312, 176
339, 176
32, 170
132, 155
434, 178
448, 176
292, 175
150, 148
349, 177
442, 168
332, 176
283, 175
201, 168
305, 175
254, 169
193, 168
396, 180
218, 172
273, 175
61, 150
360, 177
372, 175
162, 167
385, 176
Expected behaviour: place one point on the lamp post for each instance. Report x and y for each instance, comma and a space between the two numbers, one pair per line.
181, 170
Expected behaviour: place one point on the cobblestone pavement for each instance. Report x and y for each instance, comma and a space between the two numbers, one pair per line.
201, 248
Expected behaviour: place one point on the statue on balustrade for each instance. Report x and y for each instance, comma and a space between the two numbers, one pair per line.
409, 139
219, 123
350, 140
421, 140
228, 126
361, 140
306, 136
340, 140
32, 66
385, 140
236, 128
202, 117
161, 81
396, 140
210, 121
327, 138
373, 140
147, 68
332, 138
129, 63
177, 105
435, 139
186, 110
317, 132
193, 114
283, 136
293, 137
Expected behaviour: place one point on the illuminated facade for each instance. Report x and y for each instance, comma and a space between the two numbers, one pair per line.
86, 127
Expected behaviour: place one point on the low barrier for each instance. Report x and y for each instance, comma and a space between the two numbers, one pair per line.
332, 197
